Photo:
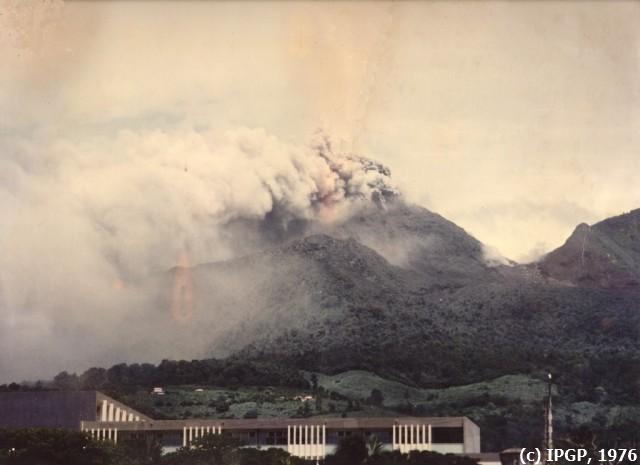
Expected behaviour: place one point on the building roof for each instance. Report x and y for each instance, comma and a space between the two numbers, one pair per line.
46, 409
282, 423
53, 409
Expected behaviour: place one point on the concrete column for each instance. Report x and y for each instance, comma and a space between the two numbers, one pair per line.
393, 437
115, 436
103, 411
116, 416
130, 417
429, 437
410, 434
190, 435
288, 435
219, 429
184, 436
137, 418
324, 441
110, 412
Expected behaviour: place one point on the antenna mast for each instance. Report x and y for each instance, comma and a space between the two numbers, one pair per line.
548, 418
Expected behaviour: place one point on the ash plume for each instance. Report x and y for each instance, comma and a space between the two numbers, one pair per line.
87, 219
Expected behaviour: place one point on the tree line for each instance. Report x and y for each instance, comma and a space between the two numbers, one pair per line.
230, 372
62, 447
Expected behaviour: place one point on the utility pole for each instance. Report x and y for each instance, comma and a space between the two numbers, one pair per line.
548, 418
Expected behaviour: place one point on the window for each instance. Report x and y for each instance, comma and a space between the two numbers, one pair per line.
445, 435
277, 438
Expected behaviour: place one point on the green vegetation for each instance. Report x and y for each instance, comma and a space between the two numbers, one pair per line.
55, 447
198, 401
508, 409
231, 372
354, 450
61, 447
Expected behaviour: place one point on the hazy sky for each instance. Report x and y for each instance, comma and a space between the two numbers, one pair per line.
516, 120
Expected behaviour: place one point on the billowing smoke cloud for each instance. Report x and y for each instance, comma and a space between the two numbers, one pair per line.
88, 218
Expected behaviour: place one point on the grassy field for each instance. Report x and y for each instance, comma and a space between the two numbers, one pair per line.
359, 384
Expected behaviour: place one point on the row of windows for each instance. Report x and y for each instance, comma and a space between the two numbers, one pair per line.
439, 435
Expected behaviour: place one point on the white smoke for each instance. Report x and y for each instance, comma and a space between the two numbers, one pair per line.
85, 216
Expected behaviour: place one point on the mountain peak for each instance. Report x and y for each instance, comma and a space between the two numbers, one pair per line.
605, 255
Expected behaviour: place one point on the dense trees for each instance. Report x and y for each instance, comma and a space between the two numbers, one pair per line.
53, 447
353, 450
225, 450
231, 372
376, 397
